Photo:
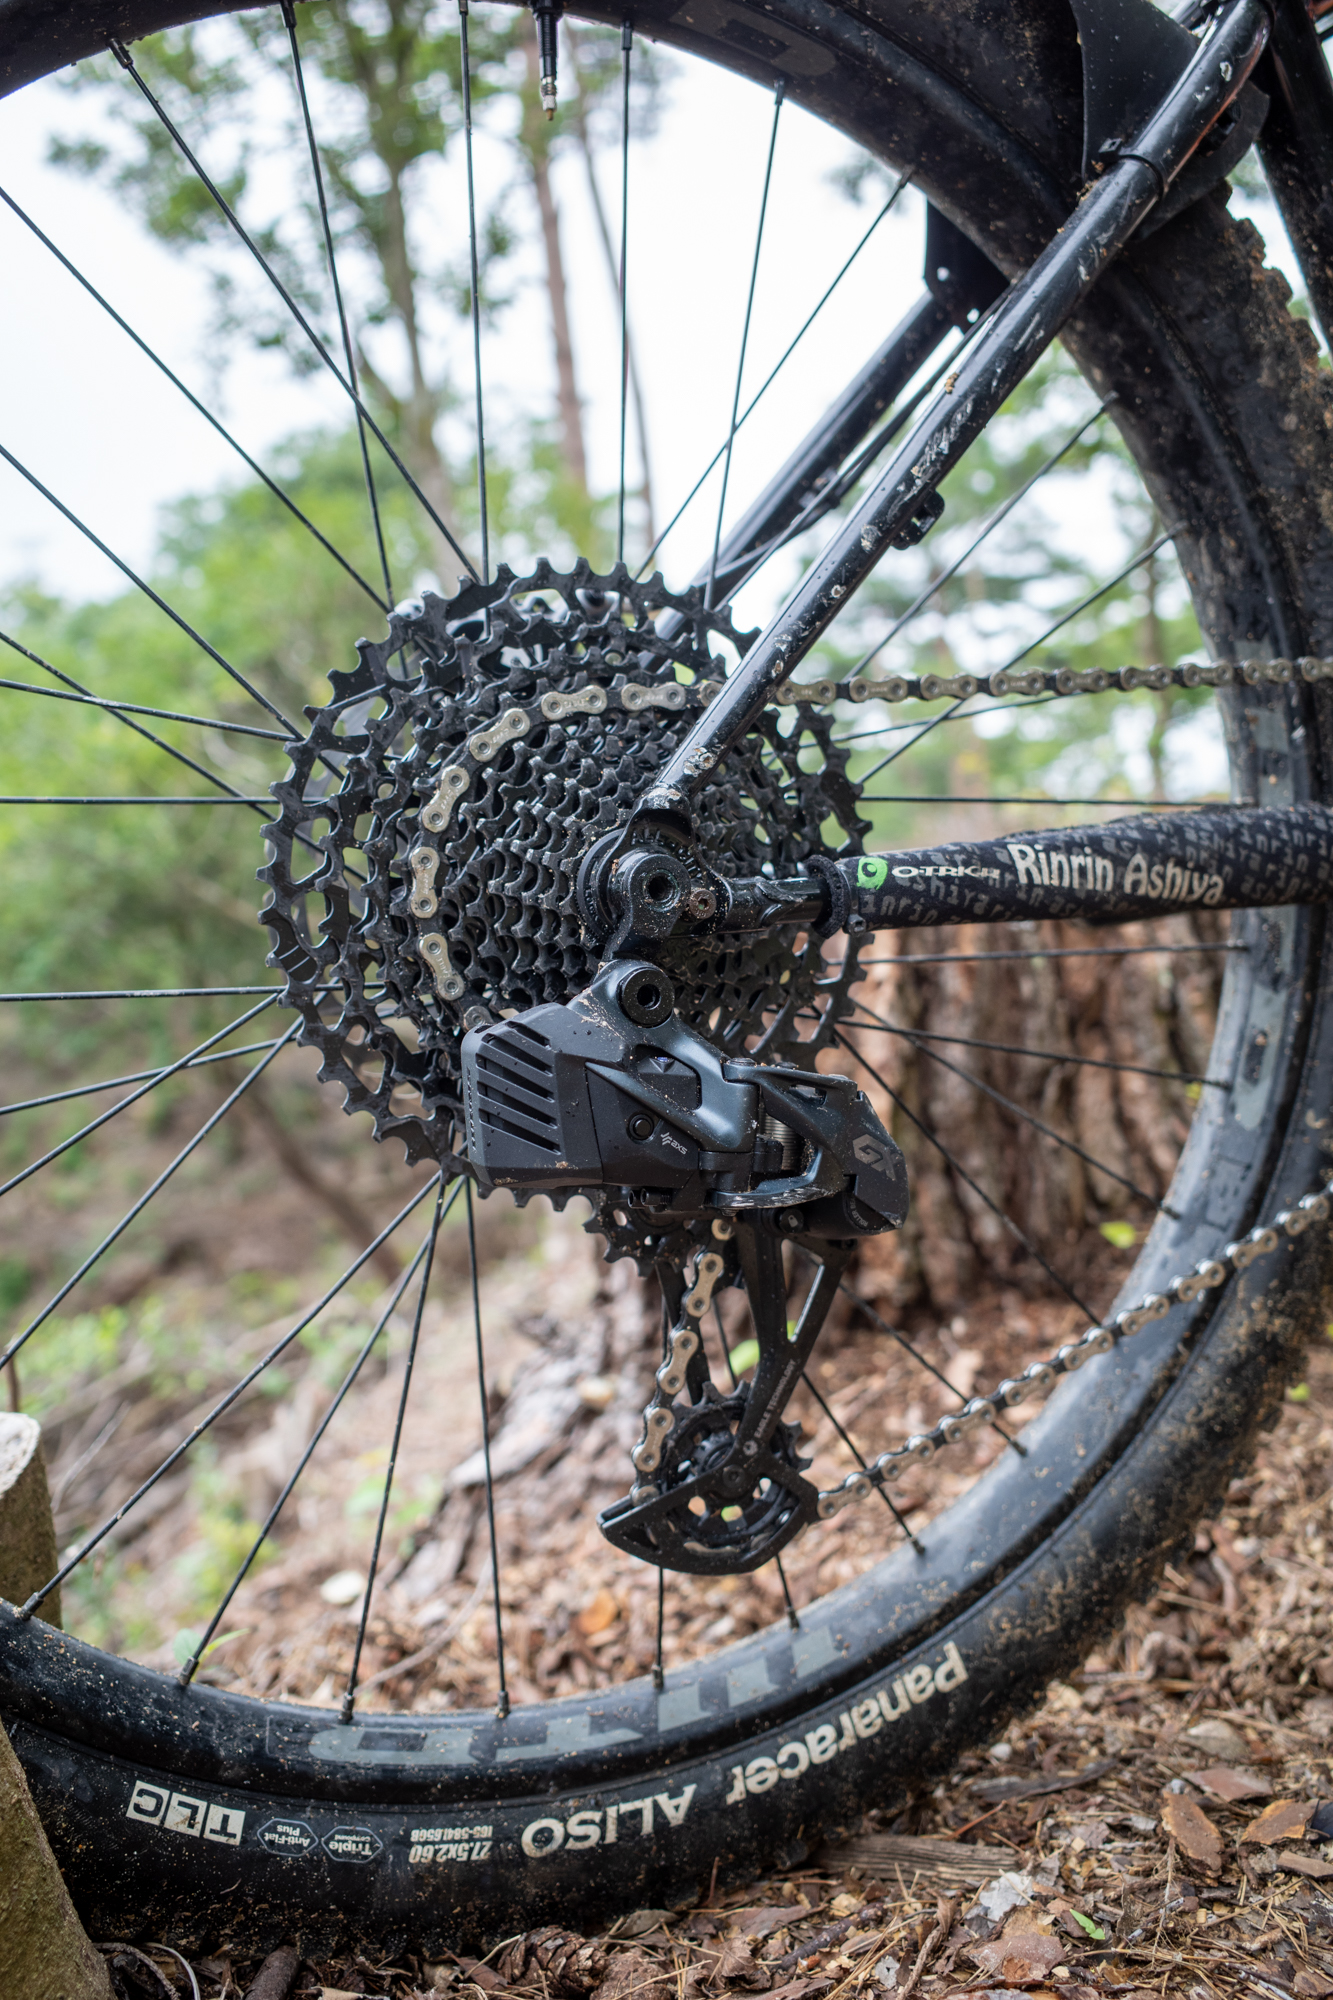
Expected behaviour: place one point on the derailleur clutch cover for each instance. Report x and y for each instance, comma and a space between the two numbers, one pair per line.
612, 1090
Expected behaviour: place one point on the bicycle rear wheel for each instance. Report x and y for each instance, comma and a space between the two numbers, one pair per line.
194, 1813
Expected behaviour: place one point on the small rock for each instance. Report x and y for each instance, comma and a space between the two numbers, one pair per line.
343, 1587
1219, 1739
1009, 1891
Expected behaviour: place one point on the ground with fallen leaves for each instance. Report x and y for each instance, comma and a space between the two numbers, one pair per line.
1162, 1825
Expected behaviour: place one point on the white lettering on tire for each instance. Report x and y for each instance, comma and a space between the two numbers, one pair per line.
866, 1718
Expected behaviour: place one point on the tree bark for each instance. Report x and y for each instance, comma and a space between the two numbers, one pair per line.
28, 1556
580, 116
991, 1193
44, 1952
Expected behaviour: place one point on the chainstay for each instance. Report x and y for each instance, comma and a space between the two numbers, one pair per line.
1040, 1377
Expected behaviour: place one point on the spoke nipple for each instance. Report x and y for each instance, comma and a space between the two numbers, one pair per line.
548, 95
659, 1678
345, 1713
502, 1705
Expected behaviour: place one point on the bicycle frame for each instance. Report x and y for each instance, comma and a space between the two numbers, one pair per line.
1271, 40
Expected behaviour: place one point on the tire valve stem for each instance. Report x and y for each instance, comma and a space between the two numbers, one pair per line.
546, 13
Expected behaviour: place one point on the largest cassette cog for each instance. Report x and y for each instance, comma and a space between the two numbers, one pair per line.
423, 861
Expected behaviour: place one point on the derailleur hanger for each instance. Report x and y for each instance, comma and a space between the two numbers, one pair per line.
631, 901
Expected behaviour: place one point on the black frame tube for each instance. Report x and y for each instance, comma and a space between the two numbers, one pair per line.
903, 504
1222, 858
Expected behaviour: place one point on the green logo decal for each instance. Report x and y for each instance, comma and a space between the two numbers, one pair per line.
871, 872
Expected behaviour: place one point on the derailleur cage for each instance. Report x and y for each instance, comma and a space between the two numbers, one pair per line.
614, 1093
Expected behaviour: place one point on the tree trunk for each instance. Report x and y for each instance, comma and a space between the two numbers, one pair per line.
536, 147
28, 1556
613, 268
991, 1193
44, 1953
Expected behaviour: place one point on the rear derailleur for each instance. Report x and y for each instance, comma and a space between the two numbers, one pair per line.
711, 1156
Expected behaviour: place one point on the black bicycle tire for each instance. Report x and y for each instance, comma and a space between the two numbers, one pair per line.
143, 1786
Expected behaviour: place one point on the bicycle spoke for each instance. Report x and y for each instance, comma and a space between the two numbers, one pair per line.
298, 72
176, 993
349, 1693
949, 714
1000, 515
626, 54
121, 708
157, 1078
466, 68
151, 799
188, 1670
793, 1616
776, 370
659, 1673
923, 1361
745, 339
113, 1235
194, 401
502, 1696
126, 61
1130, 806
139, 1076
1028, 1117
861, 1460
880, 1026
148, 591
1042, 951
220, 1408
81, 693
263, 806
957, 1167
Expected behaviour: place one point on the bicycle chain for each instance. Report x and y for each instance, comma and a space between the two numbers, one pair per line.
1037, 1379
1040, 1377
1051, 681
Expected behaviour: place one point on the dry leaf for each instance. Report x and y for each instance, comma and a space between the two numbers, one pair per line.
1312, 1985
730, 1960
1020, 1959
1305, 1864
800, 1989
598, 1614
762, 1923
1285, 1819
481, 1975
634, 1976
1228, 1784
1190, 1827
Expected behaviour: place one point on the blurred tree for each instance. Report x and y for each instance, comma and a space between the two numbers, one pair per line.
386, 87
